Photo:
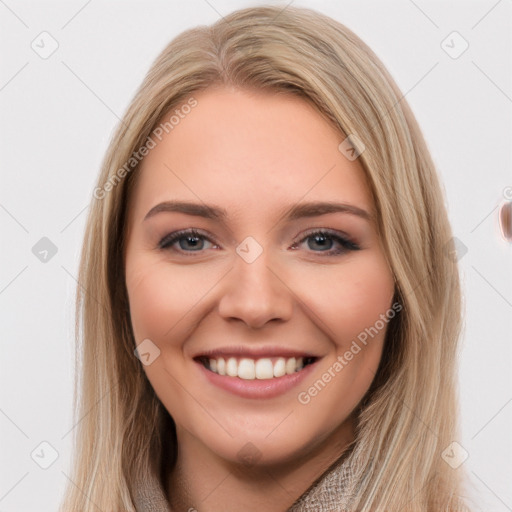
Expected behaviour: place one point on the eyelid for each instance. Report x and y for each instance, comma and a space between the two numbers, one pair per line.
327, 231
343, 239
347, 243
172, 237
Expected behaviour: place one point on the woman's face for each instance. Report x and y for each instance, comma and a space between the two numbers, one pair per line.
288, 299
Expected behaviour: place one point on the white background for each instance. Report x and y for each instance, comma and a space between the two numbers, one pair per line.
57, 115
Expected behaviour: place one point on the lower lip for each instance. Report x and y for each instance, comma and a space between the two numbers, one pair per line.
257, 388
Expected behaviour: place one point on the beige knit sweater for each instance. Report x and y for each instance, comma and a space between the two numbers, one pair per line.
330, 493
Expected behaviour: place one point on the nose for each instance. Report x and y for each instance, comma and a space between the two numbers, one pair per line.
256, 294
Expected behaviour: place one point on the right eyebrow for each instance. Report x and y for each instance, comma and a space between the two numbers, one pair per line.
196, 209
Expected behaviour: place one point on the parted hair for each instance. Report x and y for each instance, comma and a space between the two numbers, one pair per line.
409, 416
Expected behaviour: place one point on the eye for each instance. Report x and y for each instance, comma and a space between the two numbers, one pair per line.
325, 239
186, 239
191, 240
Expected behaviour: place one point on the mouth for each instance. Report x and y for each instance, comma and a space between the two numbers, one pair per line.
256, 373
262, 368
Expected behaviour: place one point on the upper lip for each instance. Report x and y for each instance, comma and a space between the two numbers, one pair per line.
254, 352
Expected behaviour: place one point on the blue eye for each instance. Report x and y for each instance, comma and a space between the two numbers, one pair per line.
192, 241
189, 236
324, 239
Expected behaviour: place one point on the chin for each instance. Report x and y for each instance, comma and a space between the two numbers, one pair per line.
267, 443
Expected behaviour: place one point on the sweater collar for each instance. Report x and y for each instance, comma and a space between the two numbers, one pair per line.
329, 493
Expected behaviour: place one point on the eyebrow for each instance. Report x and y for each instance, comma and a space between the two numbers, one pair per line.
298, 211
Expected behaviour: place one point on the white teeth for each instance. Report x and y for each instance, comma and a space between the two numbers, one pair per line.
264, 369
280, 367
232, 367
246, 369
250, 369
291, 365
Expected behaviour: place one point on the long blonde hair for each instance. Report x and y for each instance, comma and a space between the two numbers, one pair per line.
409, 416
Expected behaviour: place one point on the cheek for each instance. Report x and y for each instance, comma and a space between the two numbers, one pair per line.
164, 297
351, 302
157, 299
350, 297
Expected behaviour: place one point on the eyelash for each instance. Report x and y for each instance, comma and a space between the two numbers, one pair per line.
346, 244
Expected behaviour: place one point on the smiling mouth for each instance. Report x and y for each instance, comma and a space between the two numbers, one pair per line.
250, 369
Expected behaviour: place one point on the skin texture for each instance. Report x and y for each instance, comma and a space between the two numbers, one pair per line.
256, 155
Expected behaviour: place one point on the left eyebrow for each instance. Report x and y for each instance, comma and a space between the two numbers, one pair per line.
321, 208
295, 212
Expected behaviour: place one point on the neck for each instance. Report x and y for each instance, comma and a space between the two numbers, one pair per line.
204, 482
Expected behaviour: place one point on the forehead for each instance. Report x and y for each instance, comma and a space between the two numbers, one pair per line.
249, 150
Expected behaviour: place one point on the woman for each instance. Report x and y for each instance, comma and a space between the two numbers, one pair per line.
269, 308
